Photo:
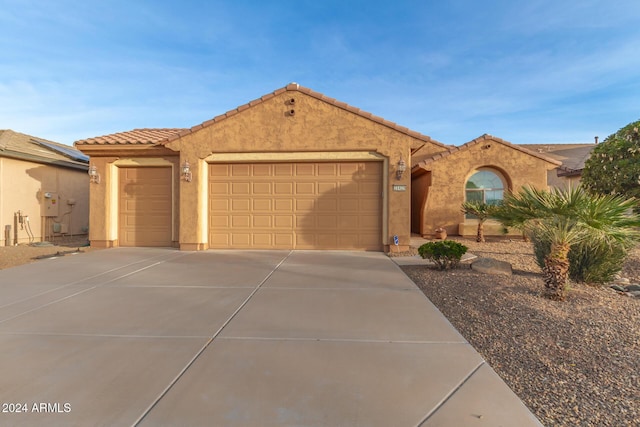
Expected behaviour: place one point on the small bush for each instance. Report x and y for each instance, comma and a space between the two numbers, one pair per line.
446, 254
588, 262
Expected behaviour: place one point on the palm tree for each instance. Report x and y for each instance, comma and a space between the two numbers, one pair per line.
482, 211
568, 218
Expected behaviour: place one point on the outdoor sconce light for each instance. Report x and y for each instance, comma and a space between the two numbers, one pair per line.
94, 176
402, 167
185, 174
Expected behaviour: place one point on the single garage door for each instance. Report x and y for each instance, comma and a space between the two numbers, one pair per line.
145, 206
319, 205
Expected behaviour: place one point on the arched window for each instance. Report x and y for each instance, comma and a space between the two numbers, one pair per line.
485, 186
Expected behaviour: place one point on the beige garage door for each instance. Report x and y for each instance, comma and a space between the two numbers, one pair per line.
296, 205
145, 207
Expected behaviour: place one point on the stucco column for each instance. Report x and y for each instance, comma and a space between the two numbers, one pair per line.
103, 202
399, 191
193, 205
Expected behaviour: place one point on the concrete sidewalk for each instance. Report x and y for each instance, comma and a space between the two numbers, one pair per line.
236, 338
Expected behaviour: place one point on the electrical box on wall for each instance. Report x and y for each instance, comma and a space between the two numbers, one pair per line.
50, 204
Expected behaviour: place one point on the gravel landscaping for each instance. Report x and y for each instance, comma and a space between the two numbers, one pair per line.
12, 256
573, 363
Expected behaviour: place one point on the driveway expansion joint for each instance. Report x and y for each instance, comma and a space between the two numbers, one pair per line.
344, 340
451, 394
208, 343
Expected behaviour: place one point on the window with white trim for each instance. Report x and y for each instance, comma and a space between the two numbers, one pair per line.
485, 186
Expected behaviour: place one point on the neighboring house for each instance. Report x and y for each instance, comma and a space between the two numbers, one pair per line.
44, 189
573, 158
293, 169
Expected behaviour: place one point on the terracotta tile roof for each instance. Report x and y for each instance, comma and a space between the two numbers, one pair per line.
132, 137
482, 139
164, 136
30, 148
294, 87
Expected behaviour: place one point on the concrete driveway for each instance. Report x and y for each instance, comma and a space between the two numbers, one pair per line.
236, 338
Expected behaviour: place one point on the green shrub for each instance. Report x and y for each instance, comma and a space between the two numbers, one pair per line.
588, 262
446, 254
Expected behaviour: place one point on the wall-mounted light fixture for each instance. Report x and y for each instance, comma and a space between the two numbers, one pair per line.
94, 176
400, 169
185, 172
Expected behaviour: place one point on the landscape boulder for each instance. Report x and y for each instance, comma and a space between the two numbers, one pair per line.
491, 266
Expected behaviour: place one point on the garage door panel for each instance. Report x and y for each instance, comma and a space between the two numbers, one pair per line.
368, 240
219, 221
240, 205
283, 169
283, 240
218, 170
304, 205
327, 169
296, 205
327, 188
145, 206
305, 188
145, 239
262, 240
367, 187
153, 221
305, 241
265, 205
241, 188
327, 222
262, 170
241, 239
306, 222
240, 170
219, 240
348, 188
283, 205
262, 188
262, 221
348, 222
325, 204
219, 188
349, 205
368, 222
283, 221
240, 221
349, 169
219, 204
367, 205
305, 169
283, 188
327, 240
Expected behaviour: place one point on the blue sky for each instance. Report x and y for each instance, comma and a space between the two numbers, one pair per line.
532, 71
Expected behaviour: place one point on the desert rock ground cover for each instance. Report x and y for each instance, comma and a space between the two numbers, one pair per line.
573, 363
11, 256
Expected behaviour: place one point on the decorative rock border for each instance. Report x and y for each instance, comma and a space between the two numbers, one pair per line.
623, 286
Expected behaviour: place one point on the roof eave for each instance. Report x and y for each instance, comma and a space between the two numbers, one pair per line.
43, 160
294, 87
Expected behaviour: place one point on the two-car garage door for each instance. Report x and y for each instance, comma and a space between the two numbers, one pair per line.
310, 205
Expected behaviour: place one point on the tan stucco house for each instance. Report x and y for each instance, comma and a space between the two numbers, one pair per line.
293, 169
44, 189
